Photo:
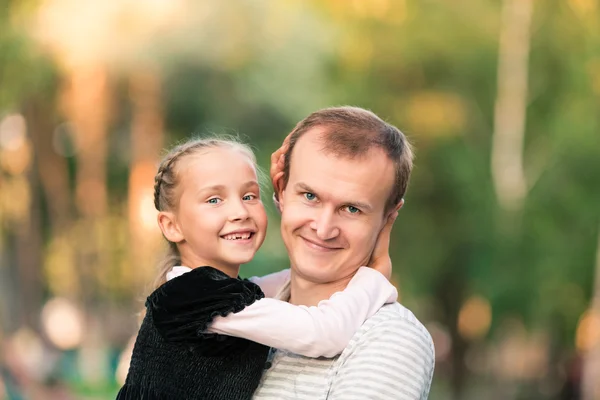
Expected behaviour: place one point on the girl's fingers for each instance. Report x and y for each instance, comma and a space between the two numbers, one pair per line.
278, 162
382, 246
277, 181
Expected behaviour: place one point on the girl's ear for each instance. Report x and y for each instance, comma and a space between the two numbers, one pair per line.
169, 227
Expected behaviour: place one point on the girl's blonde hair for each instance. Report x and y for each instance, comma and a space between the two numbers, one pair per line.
166, 182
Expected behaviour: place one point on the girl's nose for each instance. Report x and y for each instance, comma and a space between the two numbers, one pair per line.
238, 212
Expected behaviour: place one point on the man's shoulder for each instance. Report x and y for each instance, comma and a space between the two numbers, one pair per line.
394, 314
391, 323
394, 351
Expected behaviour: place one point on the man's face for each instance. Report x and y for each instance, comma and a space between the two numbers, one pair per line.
333, 209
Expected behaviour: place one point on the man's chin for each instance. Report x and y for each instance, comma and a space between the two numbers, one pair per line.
316, 274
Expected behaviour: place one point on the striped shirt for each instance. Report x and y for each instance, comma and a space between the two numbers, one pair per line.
390, 357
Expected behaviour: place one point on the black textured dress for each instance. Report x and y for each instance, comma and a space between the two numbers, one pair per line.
174, 359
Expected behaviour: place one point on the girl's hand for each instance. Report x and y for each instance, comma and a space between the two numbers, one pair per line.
380, 259
276, 172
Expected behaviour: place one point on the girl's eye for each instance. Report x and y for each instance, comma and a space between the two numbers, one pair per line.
214, 200
310, 196
352, 210
249, 197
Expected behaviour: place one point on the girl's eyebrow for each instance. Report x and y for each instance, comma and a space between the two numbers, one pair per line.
250, 184
213, 188
222, 188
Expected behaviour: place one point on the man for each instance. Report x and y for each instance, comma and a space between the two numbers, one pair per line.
344, 173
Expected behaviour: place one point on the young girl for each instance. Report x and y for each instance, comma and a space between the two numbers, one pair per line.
210, 212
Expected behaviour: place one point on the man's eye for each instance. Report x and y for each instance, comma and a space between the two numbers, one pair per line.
249, 197
214, 200
352, 210
310, 196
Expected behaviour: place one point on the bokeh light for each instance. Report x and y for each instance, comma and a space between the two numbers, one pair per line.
63, 323
588, 331
475, 318
12, 132
496, 250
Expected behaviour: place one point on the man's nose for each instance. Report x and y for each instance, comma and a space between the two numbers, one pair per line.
324, 225
238, 211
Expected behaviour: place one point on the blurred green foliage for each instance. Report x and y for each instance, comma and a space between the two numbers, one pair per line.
430, 68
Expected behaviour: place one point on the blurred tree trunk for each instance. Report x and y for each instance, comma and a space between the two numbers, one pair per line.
591, 362
53, 175
87, 105
29, 259
511, 103
146, 144
86, 102
22, 293
451, 292
20, 207
48, 173
52, 168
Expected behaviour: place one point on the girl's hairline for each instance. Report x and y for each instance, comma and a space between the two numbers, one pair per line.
220, 139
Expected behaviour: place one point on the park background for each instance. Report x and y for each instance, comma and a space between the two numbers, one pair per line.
497, 249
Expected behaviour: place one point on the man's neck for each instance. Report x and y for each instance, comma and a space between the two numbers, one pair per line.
303, 292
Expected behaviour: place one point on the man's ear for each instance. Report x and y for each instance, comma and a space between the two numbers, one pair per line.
169, 227
279, 194
397, 207
279, 201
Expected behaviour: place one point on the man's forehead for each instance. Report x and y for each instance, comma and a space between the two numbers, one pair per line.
313, 136
366, 179
315, 142
313, 145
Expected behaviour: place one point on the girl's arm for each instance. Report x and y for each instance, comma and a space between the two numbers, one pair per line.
324, 330
183, 307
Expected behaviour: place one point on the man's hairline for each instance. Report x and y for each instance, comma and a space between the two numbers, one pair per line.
387, 208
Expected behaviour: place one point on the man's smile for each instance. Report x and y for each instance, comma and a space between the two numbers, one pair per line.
318, 245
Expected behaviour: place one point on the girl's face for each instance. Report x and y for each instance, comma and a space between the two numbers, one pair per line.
220, 214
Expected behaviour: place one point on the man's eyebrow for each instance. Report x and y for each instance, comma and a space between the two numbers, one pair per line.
358, 204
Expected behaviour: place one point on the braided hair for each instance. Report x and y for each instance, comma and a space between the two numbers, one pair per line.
166, 182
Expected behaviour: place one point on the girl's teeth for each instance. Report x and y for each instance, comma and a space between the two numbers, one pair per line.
237, 236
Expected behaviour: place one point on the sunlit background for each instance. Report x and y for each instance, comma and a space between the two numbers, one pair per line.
497, 250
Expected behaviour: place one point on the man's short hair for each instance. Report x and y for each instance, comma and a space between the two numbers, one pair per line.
351, 132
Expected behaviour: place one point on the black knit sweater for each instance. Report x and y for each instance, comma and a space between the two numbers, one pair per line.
174, 359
